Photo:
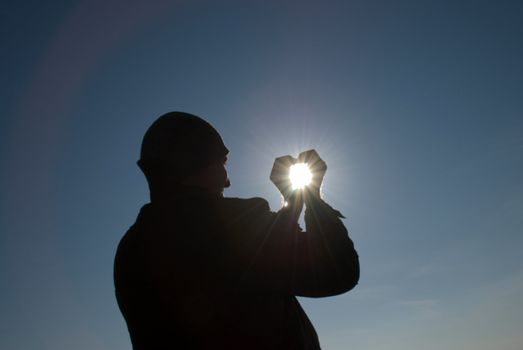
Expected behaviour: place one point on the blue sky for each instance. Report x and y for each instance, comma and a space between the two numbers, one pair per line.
416, 106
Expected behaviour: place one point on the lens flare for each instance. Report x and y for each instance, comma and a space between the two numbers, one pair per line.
300, 175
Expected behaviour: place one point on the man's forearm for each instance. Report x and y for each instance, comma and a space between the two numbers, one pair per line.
335, 255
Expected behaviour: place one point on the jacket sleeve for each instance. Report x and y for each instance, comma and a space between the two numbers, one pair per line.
317, 263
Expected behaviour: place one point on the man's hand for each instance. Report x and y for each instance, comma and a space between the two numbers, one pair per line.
280, 175
318, 169
280, 178
280, 172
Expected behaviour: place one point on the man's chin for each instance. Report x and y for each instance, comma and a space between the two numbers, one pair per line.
218, 192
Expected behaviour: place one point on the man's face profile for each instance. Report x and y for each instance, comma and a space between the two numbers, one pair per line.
218, 177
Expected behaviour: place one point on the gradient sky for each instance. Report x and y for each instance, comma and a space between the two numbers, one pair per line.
416, 106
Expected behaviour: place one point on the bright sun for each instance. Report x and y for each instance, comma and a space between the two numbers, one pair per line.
300, 175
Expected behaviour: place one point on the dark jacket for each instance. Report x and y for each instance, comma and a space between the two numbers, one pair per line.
197, 272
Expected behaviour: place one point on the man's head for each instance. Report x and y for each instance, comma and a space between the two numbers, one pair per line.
180, 149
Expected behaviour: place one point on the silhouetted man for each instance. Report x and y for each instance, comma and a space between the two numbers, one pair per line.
201, 271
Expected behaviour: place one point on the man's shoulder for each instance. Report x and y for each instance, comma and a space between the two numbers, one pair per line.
244, 207
254, 203
135, 233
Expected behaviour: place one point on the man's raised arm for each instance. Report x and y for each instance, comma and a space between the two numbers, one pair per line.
319, 262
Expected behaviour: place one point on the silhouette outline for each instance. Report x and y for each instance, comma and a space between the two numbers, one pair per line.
198, 270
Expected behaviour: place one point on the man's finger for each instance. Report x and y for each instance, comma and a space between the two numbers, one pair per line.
312, 158
281, 166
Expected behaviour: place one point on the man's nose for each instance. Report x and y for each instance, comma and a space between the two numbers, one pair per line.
227, 183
